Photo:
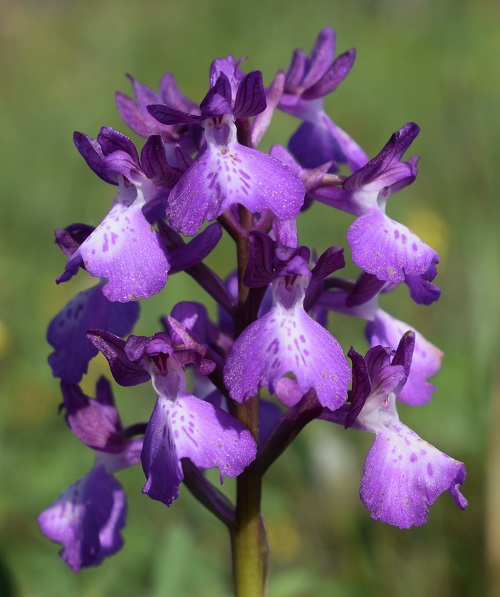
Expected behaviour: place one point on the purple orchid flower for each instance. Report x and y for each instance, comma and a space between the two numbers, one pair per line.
403, 474
227, 172
182, 425
384, 329
381, 246
125, 249
87, 518
318, 140
286, 339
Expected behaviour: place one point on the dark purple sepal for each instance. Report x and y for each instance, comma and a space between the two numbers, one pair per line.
250, 97
330, 80
67, 331
168, 115
154, 163
69, 239
111, 141
385, 377
367, 286
218, 100
361, 387
385, 167
193, 252
122, 163
124, 370
92, 153
136, 114
321, 55
182, 158
404, 352
330, 261
296, 71
87, 519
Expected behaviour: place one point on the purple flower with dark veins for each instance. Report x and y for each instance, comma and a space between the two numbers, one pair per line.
182, 425
227, 172
318, 140
125, 248
286, 339
381, 246
403, 474
87, 518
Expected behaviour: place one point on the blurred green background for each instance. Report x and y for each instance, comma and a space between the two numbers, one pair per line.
437, 63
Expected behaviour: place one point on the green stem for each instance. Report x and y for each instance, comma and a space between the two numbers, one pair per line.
247, 539
249, 546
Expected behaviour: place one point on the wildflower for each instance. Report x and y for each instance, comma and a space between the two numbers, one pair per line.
181, 425
227, 172
87, 518
286, 339
318, 139
125, 249
403, 474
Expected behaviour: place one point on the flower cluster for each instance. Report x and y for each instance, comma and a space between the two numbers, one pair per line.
200, 164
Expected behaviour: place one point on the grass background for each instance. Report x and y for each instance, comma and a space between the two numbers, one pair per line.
436, 63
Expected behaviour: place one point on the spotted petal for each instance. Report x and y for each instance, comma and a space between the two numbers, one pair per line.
127, 251
404, 475
223, 176
191, 428
387, 249
283, 341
